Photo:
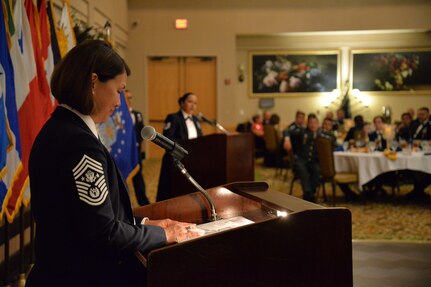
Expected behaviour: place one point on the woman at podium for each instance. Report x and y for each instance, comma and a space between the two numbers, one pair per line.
86, 234
179, 126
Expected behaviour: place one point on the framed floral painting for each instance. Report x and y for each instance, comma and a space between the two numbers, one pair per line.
398, 70
286, 73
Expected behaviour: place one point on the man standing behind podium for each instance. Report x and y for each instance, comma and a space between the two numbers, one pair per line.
138, 123
86, 234
180, 126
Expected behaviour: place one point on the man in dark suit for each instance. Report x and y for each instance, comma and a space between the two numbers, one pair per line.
377, 135
422, 125
138, 122
179, 126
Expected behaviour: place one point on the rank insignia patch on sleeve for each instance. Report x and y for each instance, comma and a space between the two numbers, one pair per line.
167, 126
90, 181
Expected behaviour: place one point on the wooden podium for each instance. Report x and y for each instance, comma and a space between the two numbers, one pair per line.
215, 160
311, 246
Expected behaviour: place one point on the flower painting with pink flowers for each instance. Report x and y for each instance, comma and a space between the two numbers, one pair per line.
287, 73
404, 70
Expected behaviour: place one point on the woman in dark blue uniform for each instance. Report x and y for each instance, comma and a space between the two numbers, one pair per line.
180, 126
86, 234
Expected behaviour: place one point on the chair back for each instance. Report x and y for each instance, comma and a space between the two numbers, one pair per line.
326, 158
271, 138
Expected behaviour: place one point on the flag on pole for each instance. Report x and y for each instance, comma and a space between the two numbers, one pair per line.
46, 48
5, 140
32, 101
11, 161
118, 135
53, 32
66, 37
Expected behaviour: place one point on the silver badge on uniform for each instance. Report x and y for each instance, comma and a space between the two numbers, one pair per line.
167, 126
90, 181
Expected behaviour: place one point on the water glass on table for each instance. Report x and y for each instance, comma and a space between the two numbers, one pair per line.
345, 146
371, 146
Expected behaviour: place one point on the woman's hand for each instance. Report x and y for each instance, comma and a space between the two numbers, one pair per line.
175, 231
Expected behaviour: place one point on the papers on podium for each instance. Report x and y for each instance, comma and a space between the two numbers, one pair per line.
220, 225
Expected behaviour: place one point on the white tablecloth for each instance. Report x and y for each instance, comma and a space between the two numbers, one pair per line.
370, 165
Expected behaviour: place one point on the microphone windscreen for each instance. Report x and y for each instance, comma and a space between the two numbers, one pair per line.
148, 133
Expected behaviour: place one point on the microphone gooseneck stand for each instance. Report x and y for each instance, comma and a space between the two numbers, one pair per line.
183, 171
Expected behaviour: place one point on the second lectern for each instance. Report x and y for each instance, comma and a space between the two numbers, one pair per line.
215, 160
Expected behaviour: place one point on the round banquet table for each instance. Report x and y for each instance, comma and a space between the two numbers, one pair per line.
370, 165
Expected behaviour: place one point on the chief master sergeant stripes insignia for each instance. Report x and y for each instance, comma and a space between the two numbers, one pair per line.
90, 181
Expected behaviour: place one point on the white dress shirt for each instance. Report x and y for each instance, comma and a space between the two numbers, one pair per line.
191, 128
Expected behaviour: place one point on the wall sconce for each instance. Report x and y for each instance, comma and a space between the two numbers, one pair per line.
361, 97
241, 73
356, 93
330, 98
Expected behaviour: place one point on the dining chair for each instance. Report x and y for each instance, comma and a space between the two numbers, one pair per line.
295, 177
325, 151
273, 149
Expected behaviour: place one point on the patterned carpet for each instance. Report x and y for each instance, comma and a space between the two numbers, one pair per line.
389, 217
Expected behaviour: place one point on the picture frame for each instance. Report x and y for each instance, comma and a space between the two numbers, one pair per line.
391, 71
288, 73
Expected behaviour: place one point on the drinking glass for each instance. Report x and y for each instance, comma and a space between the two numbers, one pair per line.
394, 145
345, 146
372, 146
424, 146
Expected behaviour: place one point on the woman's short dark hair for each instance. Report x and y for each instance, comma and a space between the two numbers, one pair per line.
71, 81
184, 97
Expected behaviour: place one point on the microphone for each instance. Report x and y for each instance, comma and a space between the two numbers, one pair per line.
214, 123
205, 119
177, 151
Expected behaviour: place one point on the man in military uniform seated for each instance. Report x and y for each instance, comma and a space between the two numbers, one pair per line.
302, 142
421, 128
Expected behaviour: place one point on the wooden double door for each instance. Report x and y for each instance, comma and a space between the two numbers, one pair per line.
168, 79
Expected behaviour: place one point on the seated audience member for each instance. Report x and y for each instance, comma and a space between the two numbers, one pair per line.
244, 127
258, 132
404, 129
266, 117
377, 135
306, 165
329, 115
257, 126
293, 129
422, 126
328, 132
274, 120
339, 122
356, 133
421, 129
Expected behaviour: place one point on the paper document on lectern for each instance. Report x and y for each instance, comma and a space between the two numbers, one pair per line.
224, 224
219, 225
